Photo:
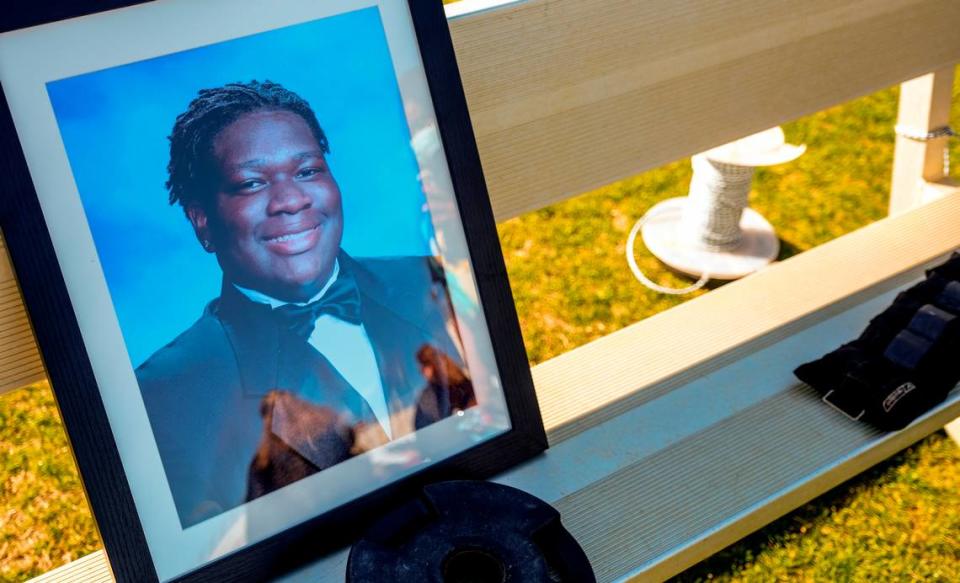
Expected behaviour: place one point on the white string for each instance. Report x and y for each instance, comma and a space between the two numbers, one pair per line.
711, 216
632, 262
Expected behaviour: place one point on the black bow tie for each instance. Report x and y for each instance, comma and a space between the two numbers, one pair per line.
340, 301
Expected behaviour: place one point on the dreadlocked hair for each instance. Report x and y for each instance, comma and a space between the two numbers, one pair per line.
191, 176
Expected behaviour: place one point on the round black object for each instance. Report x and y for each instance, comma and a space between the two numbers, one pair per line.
469, 532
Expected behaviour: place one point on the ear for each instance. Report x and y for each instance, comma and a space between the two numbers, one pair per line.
198, 218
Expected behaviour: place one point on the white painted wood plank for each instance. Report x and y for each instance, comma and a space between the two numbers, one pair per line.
20, 362
92, 568
568, 95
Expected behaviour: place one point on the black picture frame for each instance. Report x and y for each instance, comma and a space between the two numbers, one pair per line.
79, 399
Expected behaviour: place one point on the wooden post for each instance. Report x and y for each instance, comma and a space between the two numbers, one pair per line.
918, 159
918, 167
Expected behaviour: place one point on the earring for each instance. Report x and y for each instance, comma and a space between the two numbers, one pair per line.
205, 244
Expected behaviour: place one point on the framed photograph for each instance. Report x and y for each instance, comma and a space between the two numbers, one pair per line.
260, 261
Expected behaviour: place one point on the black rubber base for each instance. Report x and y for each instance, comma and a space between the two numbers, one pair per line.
470, 532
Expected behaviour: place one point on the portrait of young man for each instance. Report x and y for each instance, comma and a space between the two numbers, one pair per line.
308, 356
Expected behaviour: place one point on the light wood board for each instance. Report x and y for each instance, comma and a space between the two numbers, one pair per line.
20, 362
569, 95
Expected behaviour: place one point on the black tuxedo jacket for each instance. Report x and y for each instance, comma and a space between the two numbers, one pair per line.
203, 391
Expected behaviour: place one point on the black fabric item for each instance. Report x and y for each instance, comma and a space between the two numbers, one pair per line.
930, 322
949, 298
907, 349
950, 269
885, 326
904, 362
340, 301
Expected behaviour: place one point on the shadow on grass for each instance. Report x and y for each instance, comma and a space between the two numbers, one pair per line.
788, 250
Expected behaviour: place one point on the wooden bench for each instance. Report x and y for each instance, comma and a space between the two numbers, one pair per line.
680, 434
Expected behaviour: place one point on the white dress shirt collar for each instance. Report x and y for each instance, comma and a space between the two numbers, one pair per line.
262, 298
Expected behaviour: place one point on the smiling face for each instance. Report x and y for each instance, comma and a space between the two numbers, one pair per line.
275, 220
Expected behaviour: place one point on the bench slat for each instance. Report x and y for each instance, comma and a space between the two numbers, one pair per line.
20, 362
569, 95
92, 568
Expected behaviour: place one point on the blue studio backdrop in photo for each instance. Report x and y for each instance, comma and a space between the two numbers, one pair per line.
115, 124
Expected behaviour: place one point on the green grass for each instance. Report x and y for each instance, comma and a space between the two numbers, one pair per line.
44, 520
897, 522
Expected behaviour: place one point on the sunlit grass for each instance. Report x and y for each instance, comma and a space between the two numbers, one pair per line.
44, 520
